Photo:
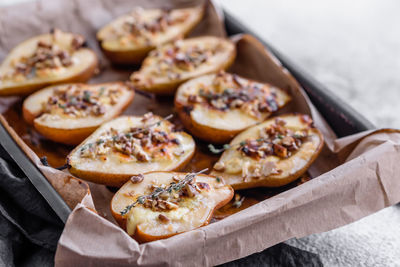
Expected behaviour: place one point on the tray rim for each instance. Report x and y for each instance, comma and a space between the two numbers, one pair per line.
312, 86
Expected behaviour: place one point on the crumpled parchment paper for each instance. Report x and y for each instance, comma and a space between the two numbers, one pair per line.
353, 177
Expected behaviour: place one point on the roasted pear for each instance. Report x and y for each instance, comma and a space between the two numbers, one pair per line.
172, 64
216, 107
69, 113
53, 58
129, 38
158, 205
271, 154
128, 146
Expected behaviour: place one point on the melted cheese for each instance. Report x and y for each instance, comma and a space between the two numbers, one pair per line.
141, 215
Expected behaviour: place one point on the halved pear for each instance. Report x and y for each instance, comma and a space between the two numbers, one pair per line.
69, 113
128, 146
129, 38
271, 154
173, 213
53, 58
216, 107
172, 64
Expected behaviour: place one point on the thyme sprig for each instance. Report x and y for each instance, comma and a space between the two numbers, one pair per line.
128, 135
238, 201
215, 150
158, 191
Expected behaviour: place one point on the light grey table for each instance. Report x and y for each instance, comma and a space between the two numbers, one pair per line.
353, 47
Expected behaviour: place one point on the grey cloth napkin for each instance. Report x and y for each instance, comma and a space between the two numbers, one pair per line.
29, 228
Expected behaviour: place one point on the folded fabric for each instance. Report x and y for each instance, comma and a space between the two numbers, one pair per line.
29, 228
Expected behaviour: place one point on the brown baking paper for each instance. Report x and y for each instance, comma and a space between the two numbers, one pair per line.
353, 177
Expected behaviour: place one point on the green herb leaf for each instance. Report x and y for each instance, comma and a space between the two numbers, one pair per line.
99, 142
298, 136
102, 89
158, 191
238, 203
215, 150
73, 100
205, 94
114, 138
86, 95
141, 199
128, 208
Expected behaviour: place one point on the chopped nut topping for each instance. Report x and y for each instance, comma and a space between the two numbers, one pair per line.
131, 194
268, 168
164, 197
173, 60
219, 166
148, 116
138, 28
202, 186
163, 218
306, 119
229, 91
77, 42
159, 204
274, 140
137, 178
46, 56
80, 100
245, 170
280, 151
258, 170
193, 98
142, 144
189, 190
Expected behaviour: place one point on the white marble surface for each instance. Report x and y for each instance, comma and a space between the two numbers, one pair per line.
353, 47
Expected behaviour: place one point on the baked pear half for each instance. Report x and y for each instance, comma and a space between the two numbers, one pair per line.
57, 57
271, 154
129, 38
216, 107
69, 113
158, 205
172, 64
128, 146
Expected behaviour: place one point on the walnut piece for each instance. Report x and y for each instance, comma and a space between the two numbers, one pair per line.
137, 178
163, 218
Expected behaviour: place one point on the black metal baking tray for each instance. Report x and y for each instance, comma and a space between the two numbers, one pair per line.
343, 119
